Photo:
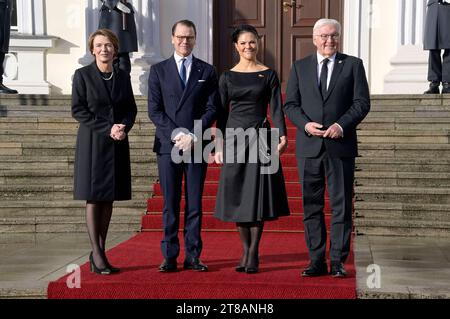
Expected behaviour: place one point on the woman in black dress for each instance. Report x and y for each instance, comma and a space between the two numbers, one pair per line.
103, 103
247, 195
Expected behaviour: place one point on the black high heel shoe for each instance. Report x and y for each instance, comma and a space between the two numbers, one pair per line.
253, 269
113, 269
94, 269
241, 266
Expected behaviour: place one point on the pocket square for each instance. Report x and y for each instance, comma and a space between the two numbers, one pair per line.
202, 80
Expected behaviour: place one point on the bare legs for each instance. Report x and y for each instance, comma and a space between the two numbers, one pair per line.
98, 216
250, 235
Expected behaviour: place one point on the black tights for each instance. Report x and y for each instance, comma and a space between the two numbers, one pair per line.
250, 235
98, 216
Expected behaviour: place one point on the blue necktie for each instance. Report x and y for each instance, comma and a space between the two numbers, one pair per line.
183, 73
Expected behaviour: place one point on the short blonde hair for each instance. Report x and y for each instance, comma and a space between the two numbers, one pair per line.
106, 33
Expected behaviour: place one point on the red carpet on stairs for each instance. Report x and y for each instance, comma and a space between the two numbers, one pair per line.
283, 256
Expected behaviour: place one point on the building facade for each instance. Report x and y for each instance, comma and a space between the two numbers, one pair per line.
50, 39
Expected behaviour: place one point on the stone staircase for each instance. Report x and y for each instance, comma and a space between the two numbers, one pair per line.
403, 174
37, 139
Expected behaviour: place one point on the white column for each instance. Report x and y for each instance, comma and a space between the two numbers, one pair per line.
409, 73
25, 62
149, 48
91, 21
357, 25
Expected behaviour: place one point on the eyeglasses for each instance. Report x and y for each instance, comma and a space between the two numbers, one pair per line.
187, 38
325, 37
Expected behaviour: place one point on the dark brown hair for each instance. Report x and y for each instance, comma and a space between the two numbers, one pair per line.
242, 29
187, 23
106, 33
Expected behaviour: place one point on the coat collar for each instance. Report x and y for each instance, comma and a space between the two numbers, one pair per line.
98, 79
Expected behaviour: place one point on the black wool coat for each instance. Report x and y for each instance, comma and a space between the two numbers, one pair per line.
437, 26
111, 18
102, 169
5, 24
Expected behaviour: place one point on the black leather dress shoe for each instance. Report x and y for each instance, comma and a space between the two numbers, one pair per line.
6, 90
195, 264
338, 270
445, 88
314, 270
168, 265
434, 88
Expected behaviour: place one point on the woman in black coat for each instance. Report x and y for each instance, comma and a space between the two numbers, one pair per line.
103, 103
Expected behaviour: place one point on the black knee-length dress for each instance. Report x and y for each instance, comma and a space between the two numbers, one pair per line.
245, 193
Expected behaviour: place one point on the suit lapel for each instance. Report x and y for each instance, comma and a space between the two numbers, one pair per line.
313, 75
338, 65
194, 76
175, 75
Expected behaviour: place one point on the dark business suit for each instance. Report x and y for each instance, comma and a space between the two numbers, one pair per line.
170, 108
112, 18
5, 26
102, 165
437, 38
346, 102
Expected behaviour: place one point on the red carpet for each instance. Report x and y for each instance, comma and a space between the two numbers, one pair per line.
283, 255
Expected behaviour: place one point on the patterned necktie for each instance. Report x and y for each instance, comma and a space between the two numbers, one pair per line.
324, 77
183, 73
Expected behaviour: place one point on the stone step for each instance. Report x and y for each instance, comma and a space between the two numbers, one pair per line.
68, 207
404, 136
433, 151
61, 149
36, 137
377, 227
402, 164
57, 192
415, 195
64, 224
407, 211
37, 100
143, 176
18, 124
376, 99
407, 179
441, 113
410, 99
391, 123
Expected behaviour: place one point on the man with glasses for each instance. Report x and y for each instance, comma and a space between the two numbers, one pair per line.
436, 39
327, 96
5, 28
183, 91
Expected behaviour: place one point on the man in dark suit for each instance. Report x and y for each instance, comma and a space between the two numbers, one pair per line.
437, 38
5, 26
182, 89
118, 16
327, 96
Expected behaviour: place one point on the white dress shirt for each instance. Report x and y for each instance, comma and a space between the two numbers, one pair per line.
320, 59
